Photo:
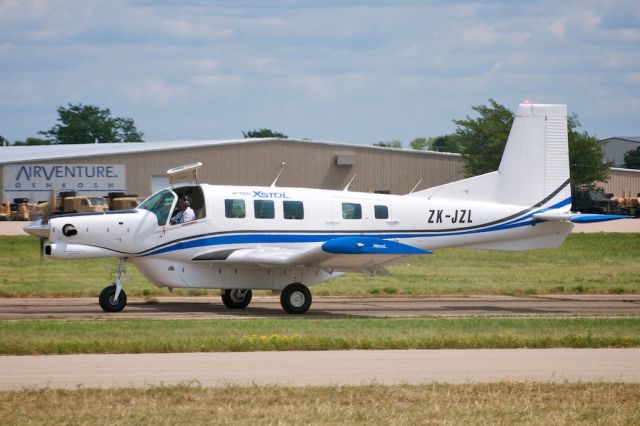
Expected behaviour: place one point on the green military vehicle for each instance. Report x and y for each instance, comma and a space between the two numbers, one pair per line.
595, 200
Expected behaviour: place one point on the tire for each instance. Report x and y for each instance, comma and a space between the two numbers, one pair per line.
106, 299
295, 299
236, 298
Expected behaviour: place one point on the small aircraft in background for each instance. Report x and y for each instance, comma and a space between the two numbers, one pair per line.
241, 238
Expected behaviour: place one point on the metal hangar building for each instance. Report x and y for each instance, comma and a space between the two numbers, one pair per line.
140, 168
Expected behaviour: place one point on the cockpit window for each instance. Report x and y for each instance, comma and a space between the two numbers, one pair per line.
160, 205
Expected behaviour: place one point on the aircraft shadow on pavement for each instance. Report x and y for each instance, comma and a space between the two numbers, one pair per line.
218, 310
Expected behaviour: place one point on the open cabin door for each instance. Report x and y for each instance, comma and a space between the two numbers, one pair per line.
184, 174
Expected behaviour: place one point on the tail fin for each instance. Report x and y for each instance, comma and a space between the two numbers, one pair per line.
534, 170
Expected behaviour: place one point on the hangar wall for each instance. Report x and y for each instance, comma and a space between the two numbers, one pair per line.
308, 164
622, 181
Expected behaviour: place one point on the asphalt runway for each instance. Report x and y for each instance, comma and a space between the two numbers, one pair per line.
320, 368
329, 307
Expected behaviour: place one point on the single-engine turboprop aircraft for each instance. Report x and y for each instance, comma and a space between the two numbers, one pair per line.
287, 239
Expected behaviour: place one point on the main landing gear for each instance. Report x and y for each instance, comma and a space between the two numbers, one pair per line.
113, 298
294, 298
236, 298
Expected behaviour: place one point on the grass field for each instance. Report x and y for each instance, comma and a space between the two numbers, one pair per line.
470, 404
586, 263
137, 336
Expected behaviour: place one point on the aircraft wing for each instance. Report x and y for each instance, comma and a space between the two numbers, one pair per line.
579, 217
343, 253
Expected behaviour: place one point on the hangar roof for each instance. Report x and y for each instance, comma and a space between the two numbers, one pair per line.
20, 154
635, 139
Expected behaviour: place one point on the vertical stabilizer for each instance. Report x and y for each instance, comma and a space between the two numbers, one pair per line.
534, 169
535, 163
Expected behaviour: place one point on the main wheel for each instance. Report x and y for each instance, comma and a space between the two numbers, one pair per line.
236, 298
108, 302
295, 298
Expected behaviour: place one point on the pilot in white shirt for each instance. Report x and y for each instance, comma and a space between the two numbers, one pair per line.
185, 212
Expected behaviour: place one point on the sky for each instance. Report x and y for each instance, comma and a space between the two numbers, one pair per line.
345, 71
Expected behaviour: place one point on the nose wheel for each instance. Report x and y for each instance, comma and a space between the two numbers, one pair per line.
109, 302
295, 298
113, 298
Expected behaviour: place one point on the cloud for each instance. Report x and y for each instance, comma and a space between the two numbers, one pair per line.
157, 91
394, 68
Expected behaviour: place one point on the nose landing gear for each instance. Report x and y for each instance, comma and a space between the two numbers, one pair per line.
113, 298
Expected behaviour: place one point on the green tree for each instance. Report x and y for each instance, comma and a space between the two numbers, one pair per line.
586, 156
32, 141
482, 139
445, 143
393, 143
3, 141
482, 142
126, 130
632, 159
88, 123
420, 144
263, 133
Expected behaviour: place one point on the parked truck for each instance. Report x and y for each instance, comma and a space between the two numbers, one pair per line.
70, 202
21, 209
629, 204
122, 201
595, 200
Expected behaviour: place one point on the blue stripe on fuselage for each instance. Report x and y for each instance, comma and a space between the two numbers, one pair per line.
253, 238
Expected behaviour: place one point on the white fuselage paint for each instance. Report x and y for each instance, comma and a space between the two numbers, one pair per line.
164, 253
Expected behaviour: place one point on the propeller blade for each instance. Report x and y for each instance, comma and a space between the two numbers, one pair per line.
48, 207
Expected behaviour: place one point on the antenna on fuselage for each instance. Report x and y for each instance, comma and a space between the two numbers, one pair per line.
346, 188
273, 184
415, 186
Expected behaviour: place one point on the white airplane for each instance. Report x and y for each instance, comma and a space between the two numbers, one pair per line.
287, 239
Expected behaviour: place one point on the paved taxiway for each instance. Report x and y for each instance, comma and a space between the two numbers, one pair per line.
329, 307
320, 368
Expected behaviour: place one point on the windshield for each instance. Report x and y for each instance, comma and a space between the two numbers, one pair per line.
96, 201
160, 204
598, 196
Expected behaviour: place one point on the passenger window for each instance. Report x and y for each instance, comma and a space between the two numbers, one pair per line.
351, 211
263, 209
381, 212
234, 208
293, 209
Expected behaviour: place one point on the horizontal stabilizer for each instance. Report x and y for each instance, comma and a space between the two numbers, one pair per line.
579, 217
369, 245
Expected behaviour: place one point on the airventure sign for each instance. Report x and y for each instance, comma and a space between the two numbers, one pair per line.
36, 181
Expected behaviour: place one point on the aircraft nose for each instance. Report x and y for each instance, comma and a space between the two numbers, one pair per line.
37, 229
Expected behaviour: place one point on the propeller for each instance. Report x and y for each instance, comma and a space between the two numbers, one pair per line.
47, 208
40, 228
